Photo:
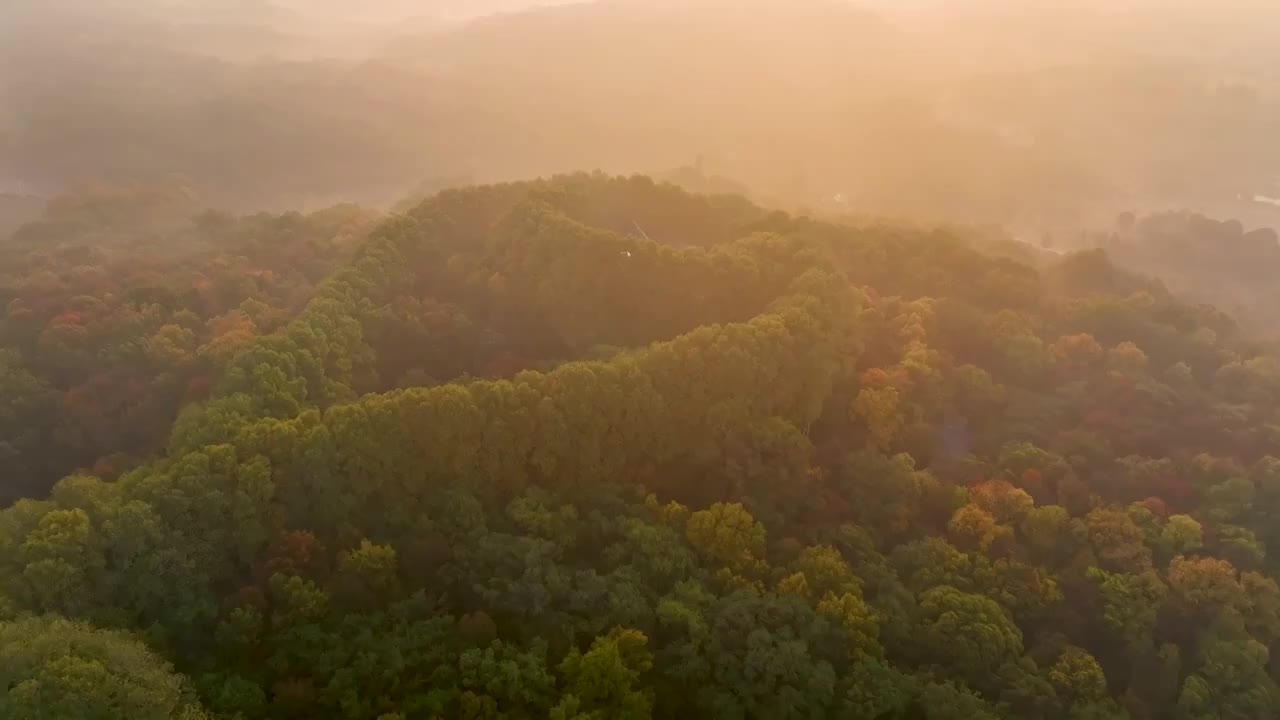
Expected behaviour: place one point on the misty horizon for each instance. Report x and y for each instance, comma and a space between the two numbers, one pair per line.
1076, 113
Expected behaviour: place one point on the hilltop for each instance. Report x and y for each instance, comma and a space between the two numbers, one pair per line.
596, 447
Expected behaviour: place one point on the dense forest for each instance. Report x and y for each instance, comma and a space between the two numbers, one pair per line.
122, 303
1218, 262
595, 447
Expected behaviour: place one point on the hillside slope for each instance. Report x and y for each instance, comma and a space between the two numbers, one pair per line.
595, 447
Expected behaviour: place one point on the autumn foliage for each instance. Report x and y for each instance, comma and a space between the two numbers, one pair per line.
503, 457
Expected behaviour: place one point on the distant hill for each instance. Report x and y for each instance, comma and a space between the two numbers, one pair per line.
1212, 261
293, 104
16, 210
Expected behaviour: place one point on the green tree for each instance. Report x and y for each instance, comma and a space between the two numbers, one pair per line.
1077, 677
933, 562
62, 560
1047, 531
1131, 606
607, 680
826, 572
859, 622
367, 576
1231, 680
726, 535
968, 634
1182, 535
504, 681
950, 701
752, 655
64, 669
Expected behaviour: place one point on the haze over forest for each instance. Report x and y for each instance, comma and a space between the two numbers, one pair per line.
1035, 115
639, 359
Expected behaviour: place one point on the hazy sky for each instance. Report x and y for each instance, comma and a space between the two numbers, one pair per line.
980, 108
384, 10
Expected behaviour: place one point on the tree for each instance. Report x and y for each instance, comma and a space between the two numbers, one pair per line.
950, 701
1048, 532
1182, 535
656, 551
1127, 358
968, 634
1205, 585
880, 410
367, 576
928, 563
1016, 459
296, 601
886, 493
978, 396
400, 659
974, 528
758, 656
62, 561
1131, 606
1076, 354
605, 681
873, 689
1231, 501
1006, 503
1262, 617
64, 669
727, 535
826, 572
860, 623
1240, 546
1077, 677
1231, 681
503, 680
1026, 357
1028, 592
1118, 541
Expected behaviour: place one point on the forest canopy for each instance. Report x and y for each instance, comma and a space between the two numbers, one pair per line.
596, 447
857, 359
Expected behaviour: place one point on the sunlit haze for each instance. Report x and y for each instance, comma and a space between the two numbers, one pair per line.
1011, 112
639, 359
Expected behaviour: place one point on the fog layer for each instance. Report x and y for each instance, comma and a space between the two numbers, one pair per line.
1035, 115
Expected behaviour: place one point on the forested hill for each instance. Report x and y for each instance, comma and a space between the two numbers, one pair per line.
596, 448
1217, 262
